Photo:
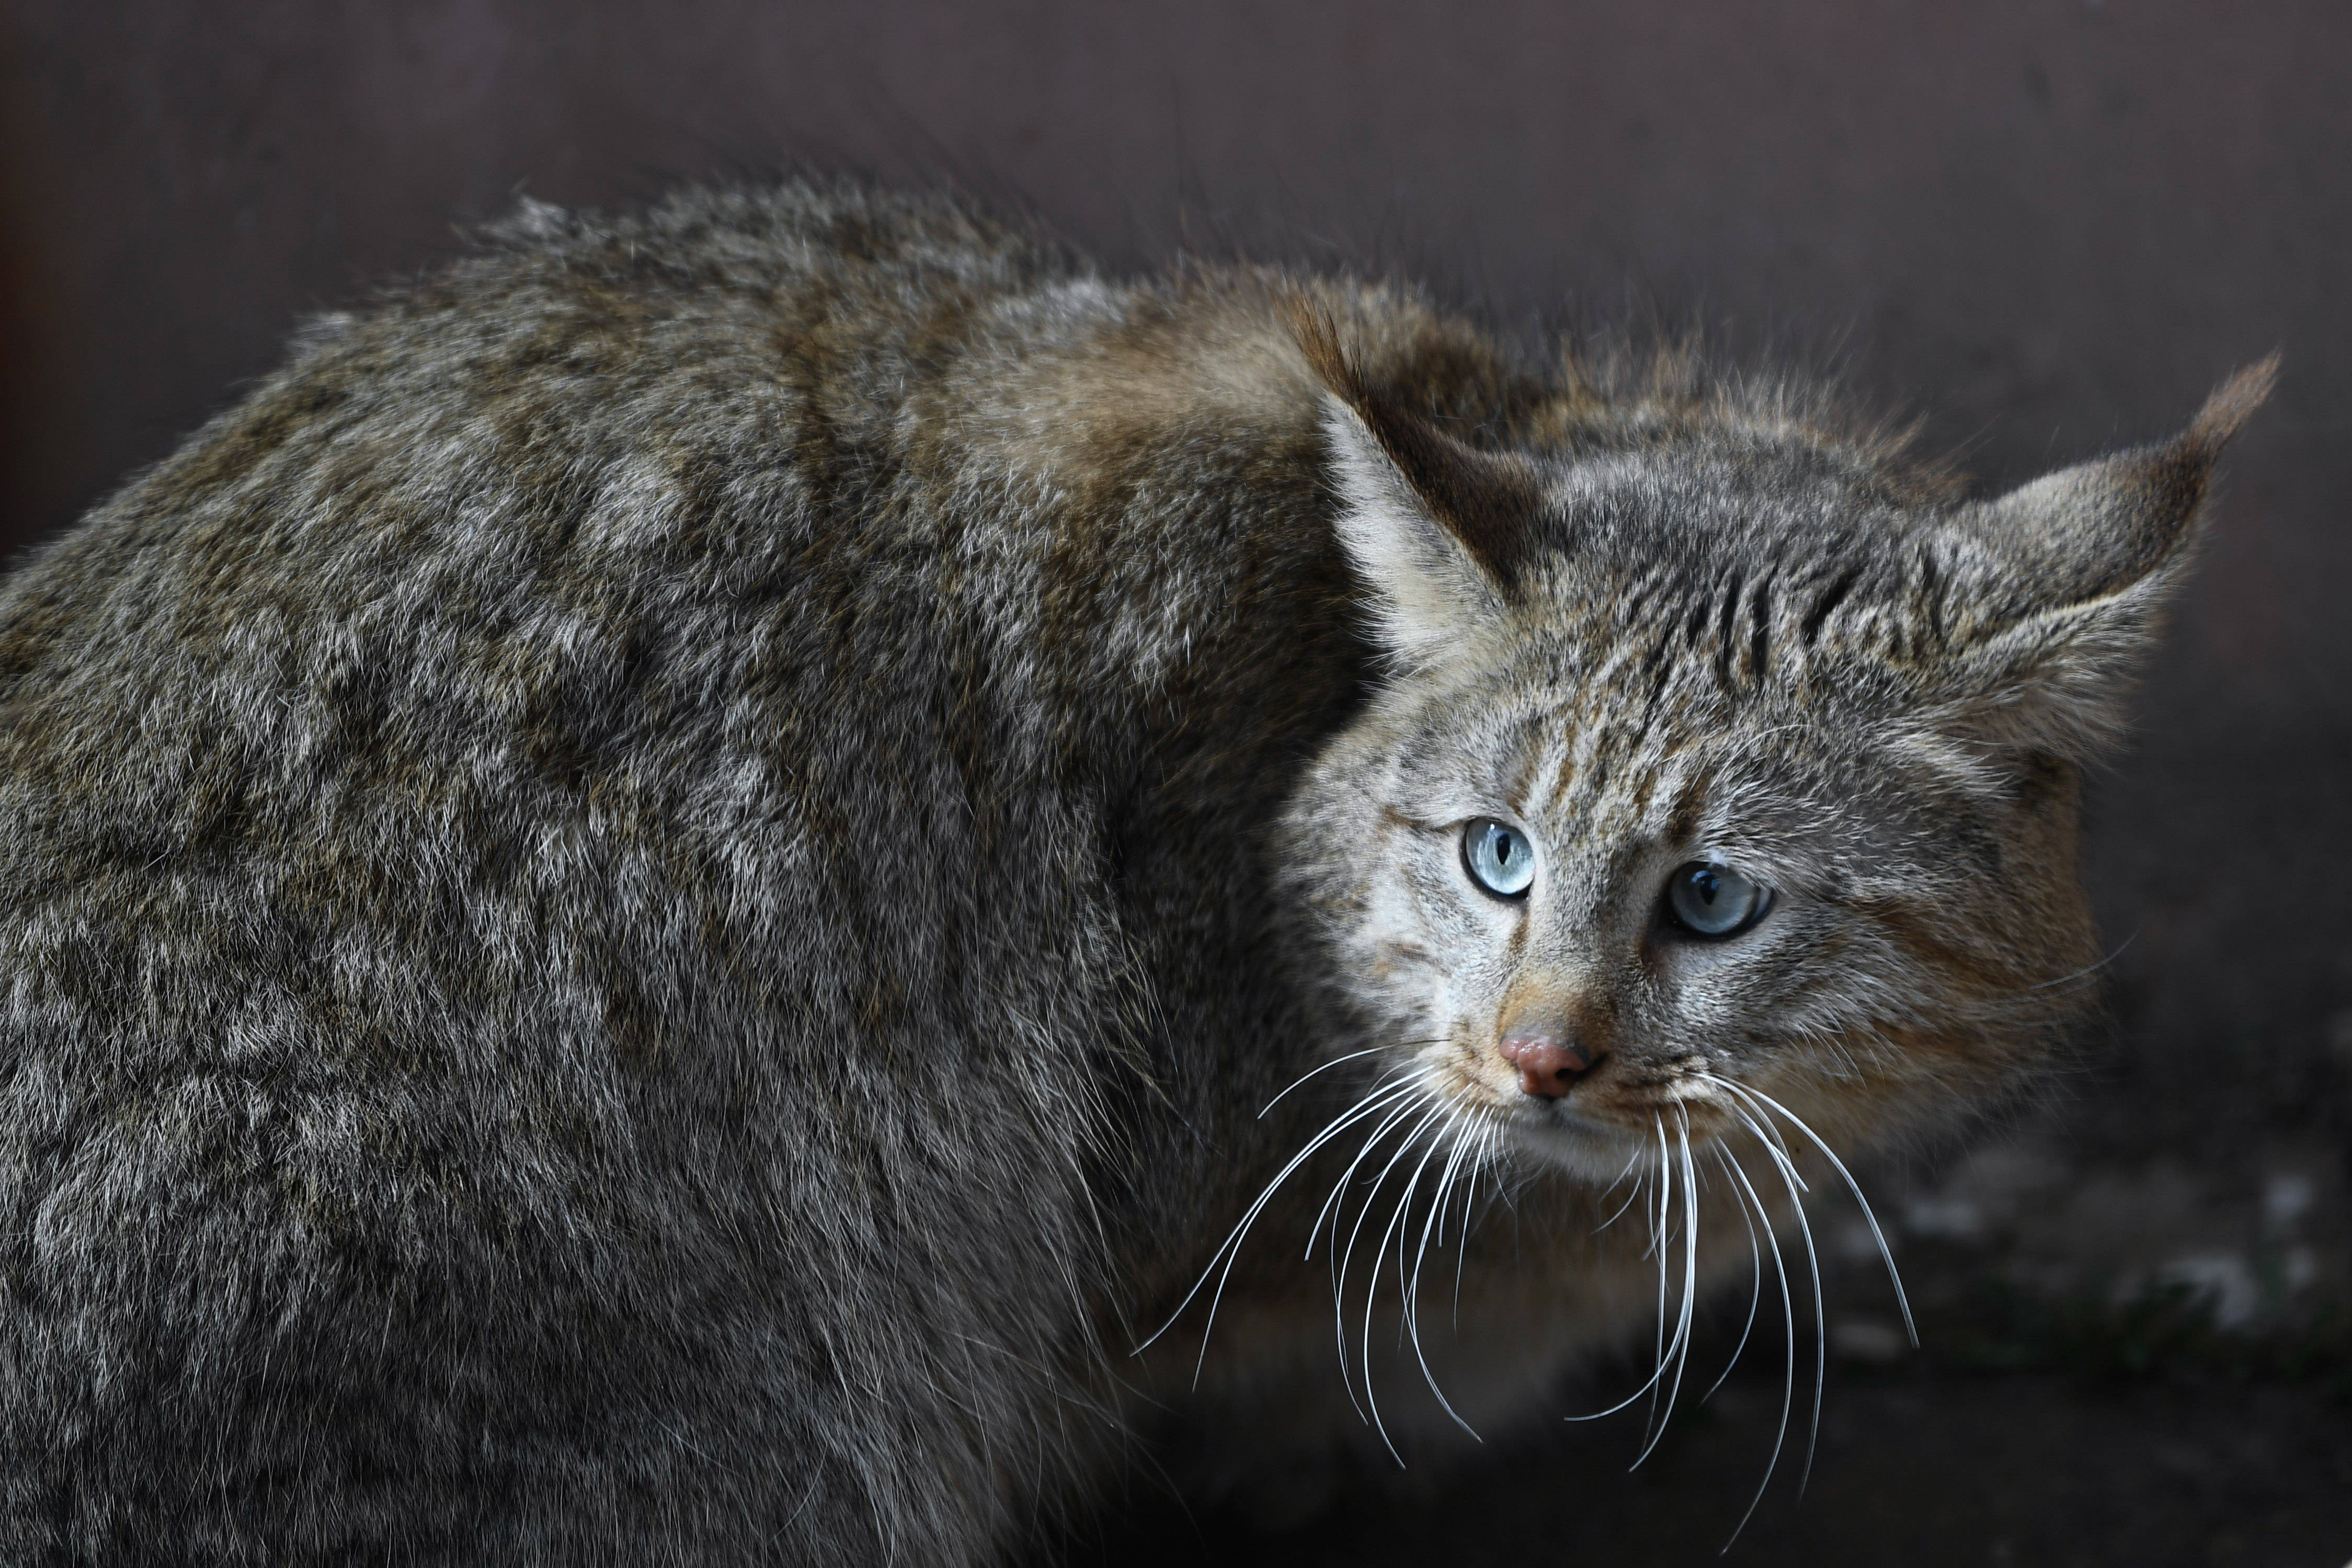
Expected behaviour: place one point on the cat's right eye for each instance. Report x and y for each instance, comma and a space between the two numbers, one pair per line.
1714, 901
1499, 858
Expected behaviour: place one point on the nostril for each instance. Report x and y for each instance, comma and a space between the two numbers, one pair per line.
1547, 1065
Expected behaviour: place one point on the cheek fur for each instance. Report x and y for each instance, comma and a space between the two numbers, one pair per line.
1429, 908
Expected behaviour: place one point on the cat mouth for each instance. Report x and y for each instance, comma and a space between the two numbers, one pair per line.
1603, 1120
1582, 1140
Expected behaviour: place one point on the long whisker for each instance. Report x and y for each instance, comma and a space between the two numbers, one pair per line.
1486, 1135
1369, 1051
1372, 1266
1395, 1112
1690, 1249
1413, 1294
1338, 1311
1659, 1371
1630, 1197
1229, 1250
1411, 1185
1774, 1144
1821, 1321
1435, 1220
1428, 1110
1755, 1289
1690, 1280
1396, 1115
1234, 1256
1464, 1141
2088, 970
1372, 1288
1660, 1224
1788, 1318
1886, 1253
1470, 1149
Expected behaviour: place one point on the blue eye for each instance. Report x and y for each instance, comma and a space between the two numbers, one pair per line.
1499, 859
1715, 901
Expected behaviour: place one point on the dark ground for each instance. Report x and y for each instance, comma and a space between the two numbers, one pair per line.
2050, 224
2029, 1430
1927, 1472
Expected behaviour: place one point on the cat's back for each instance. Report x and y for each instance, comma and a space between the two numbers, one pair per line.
641, 861
534, 602
526, 947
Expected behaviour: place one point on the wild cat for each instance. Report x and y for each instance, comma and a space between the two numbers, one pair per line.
662, 900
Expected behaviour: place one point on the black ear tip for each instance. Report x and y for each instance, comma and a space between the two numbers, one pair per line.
2233, 403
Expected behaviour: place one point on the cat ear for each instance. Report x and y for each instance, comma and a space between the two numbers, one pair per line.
1435, 528
2075, 570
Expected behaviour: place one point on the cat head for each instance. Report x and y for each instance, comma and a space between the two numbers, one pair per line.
1728, 761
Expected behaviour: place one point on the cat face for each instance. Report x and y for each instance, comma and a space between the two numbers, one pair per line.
1709, 773
1573, 895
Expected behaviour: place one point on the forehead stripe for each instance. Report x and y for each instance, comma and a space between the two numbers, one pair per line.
1727, 621
1810, 630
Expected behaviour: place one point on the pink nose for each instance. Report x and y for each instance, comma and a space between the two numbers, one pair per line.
1547, 1065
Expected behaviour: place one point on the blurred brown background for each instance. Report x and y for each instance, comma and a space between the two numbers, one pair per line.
2048, 226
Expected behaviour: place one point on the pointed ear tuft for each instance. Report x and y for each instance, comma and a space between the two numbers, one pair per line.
2104, 528
2075, 569
2233, 403
1437, 528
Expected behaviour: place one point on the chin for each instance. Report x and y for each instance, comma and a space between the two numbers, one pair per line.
1576, 1145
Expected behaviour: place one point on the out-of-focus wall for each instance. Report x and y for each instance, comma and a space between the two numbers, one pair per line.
2050, 224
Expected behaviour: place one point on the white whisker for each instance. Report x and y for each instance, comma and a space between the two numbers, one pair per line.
1372, 1285
1413, 1185
1886, 1253
1683, 1329
1338, 1310
1788, 1318
1488, 1132
2087, 969
1755, 1287
1372, 1290
1630, 1197
1659, 1371
1659, 1220
1774, 1144
1813, 1258
1661, 1223
1413, 1294
1436, 1220
1369, 1051
1229, 1250
1394, 1111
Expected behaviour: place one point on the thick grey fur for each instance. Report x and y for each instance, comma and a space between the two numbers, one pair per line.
642, 904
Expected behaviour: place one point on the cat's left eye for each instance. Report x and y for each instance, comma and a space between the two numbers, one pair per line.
1713, 900
1498, 857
